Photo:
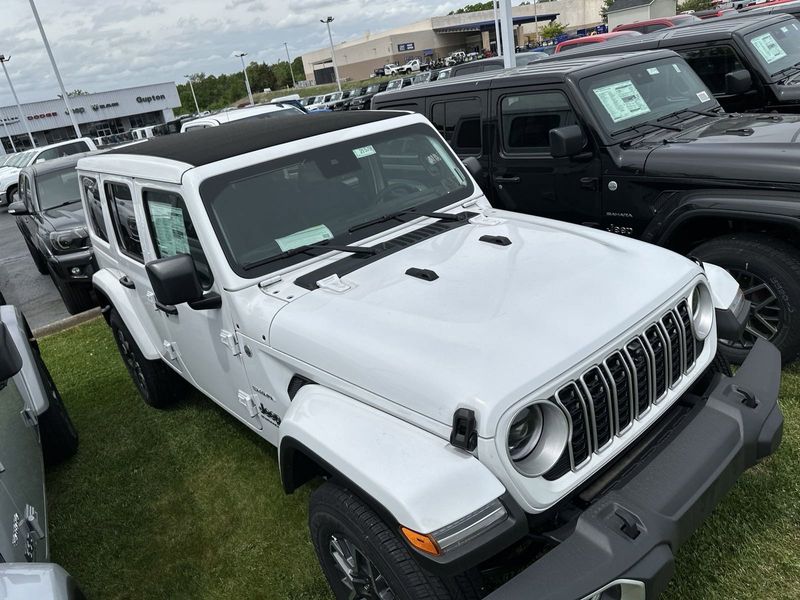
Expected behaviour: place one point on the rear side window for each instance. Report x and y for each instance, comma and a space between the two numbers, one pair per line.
63, 150
712, 64
526, 120
120, 206
94, 207
459, 122
172, 230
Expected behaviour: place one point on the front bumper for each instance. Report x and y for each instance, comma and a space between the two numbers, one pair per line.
62, 265
633, 531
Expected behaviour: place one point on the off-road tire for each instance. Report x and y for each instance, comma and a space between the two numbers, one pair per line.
157, 384
778, 265
335, 510
721, 365
38, 259
58, 434
76, 298
11, 192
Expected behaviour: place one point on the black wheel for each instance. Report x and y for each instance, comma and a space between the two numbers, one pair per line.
58, 434
364, 559
158, 385
721, 365
38, 259
768, 271
11, 195
2, 299
76, 298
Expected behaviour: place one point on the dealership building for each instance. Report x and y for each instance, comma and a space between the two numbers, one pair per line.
437, 37
99, 114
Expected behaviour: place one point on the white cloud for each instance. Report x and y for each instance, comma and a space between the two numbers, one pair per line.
118, 43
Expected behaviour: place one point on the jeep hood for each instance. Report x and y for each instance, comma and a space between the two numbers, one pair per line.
752, 147
497, 324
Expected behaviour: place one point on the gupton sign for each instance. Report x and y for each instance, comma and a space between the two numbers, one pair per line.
149, 99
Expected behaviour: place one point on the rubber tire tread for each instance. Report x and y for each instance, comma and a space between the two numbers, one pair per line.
164, 386
336, 502
56, 430
721, 364
765, 253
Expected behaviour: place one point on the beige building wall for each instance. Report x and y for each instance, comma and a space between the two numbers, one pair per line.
659, 8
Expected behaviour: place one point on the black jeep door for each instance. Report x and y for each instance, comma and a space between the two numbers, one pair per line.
524, 175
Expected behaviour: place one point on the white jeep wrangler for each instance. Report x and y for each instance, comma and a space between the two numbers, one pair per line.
478, 388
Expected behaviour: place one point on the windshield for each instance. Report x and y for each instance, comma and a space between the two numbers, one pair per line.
395, 84
776, 47
645, 92
20, 160
373, 89
261, 211
57, 188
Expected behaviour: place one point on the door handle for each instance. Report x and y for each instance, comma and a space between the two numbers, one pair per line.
589, 183
127, 282
501, 179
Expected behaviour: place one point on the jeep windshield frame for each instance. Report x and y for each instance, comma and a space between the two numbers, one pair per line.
775, 49
625, 100
261, 212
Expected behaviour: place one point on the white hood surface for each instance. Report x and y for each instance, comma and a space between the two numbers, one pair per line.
498, 323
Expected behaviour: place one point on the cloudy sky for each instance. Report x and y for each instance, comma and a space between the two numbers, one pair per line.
108, 44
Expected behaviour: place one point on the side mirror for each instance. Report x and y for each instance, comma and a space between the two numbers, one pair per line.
738, 82
18, 209
566, 141
10, 360
174, 280
474, 167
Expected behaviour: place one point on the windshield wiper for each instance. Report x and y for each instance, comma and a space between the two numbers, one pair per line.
786, 70
306, 249
408, 211
67, 203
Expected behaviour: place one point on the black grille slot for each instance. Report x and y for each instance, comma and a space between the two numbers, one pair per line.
683, 313
598, 394
638, 355
674, 336
571, 401
659, 356
621, 376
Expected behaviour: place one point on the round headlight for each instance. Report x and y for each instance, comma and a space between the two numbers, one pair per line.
702, 310
537, 437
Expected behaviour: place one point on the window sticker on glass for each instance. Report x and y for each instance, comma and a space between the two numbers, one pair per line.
785, 29
652, 71
622, 100
769, 49
312, 235
703, 96
170, 229
364, 152
676, 67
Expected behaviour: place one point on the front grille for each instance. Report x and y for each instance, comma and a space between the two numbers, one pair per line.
606, 399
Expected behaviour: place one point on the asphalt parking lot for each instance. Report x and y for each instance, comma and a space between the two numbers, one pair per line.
20, 282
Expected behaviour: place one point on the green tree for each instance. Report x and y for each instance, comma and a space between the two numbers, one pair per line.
472, 8
604, 10
551, 30
695, 5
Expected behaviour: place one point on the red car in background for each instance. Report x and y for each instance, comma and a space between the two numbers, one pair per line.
656, 24
592, 39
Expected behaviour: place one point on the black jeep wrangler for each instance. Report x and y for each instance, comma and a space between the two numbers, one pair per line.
750, 64
50, 216
637, 145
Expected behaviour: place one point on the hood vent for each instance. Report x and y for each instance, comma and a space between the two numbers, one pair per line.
424, 274
352, 263
497, 240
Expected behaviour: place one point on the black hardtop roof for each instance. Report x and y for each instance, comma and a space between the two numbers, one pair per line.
710, 30
543, 71
205, 146
58, 164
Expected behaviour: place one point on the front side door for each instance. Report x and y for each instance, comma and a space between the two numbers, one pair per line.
459, 119
21, 480
26, 223
525, 177
205, 340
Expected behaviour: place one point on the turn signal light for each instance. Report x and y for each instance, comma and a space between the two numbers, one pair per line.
420, 541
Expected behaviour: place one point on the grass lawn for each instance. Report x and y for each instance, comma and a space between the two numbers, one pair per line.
186, 503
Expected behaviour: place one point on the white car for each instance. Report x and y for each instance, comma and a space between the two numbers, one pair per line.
229, 116
9, 173
475, 386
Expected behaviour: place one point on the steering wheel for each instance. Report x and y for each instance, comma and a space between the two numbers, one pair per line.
396, 188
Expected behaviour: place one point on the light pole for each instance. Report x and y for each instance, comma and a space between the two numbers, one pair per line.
497, 29
507, 31
328, 21
191, 87
289, 58
55, 70
4, 59
241, 55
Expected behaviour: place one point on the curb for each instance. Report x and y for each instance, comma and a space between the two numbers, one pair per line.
67, 323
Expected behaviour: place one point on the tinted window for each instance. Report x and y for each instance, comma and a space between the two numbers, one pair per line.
95, 207
459, 122
57, 189
262, 211
653, 27
712, 64
63, 150
172, 230
776, 47
120, 207
528, 118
